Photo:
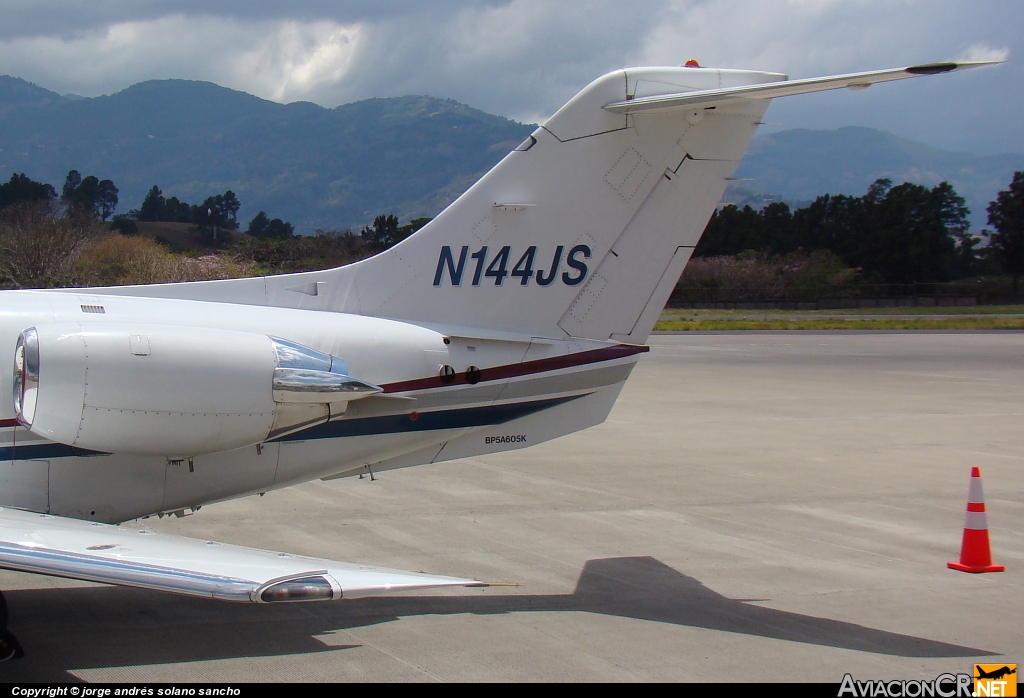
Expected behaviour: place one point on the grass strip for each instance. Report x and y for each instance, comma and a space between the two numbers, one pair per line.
680, 313
923, 323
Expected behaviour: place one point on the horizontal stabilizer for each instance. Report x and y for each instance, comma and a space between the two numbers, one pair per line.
688, 100
98, 552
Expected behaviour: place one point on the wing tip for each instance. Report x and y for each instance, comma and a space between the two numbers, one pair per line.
948, 67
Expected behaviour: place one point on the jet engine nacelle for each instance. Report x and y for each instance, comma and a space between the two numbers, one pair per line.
173, 391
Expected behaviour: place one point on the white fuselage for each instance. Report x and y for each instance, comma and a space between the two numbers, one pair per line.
416, 417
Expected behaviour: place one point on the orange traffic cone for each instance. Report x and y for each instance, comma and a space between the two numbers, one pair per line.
975, 552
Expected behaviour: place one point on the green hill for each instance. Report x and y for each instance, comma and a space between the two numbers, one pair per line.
315, 167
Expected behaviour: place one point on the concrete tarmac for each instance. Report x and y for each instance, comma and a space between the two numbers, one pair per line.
758, 507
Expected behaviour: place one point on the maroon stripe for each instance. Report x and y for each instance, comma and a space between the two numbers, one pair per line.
9, 423
523, 369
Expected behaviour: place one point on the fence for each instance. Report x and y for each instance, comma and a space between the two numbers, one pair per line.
958, 293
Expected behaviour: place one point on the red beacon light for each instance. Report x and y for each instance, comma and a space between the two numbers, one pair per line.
692, 63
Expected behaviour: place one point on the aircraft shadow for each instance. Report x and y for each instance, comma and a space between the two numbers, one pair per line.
94, 627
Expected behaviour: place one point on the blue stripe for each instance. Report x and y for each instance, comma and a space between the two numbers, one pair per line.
367, 426
425, 421
45, 451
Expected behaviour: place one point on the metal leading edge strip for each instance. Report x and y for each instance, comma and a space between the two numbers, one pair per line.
98, 569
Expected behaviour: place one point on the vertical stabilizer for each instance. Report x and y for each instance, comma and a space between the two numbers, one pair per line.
581, 231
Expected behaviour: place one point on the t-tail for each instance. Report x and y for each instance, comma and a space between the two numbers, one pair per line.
583, 230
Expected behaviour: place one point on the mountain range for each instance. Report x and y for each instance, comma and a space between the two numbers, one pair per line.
411, 156
315, 167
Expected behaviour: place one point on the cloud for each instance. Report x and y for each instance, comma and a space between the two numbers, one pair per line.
297, 59
282, 60
983, 52
521, 58
68, 18
524, 58
795, 36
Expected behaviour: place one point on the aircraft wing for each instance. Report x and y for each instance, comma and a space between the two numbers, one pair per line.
770, 90
96, 552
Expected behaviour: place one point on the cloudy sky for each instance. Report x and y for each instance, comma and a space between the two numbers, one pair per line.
524, 58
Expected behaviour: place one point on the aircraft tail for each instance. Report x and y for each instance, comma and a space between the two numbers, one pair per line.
581, 231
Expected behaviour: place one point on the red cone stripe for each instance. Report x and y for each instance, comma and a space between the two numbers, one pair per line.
975, 549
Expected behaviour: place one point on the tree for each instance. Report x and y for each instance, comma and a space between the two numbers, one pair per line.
22, 189
214, 217
258, 225
176, 211
895, 234
264, 228
1006, 215
90, 194
71, 184
280, 229
908, 237
411, 227
229, 205
777, 228
385, 232
152, 208
207, 213
381, 235
106, 199
219, 211
730, 231
953, 212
